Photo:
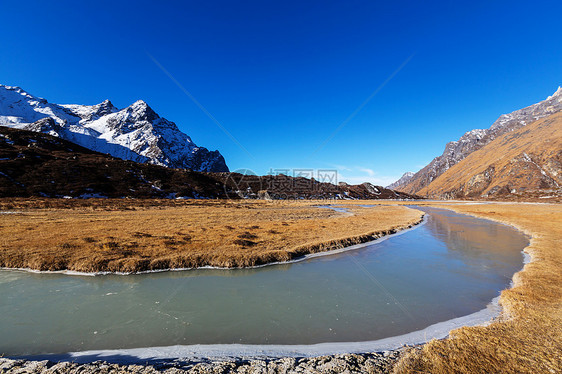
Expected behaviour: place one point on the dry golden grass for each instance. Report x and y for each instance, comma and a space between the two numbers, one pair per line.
512, 160
527, 338
137, 236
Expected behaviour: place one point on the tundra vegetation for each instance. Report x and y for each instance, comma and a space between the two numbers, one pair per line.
135, 235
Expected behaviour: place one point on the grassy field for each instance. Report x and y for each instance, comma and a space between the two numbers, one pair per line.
527, 338
140, 235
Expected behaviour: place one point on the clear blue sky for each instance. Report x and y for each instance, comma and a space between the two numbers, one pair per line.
282, 76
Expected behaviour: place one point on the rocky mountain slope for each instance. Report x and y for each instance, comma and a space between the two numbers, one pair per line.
474, 140
134, 133
38, 164
526, 162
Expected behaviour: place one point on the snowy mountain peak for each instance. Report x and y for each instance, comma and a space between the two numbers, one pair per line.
107, 105
140, 110
557, 94
134, 133
139, 102
140, 105
16, 89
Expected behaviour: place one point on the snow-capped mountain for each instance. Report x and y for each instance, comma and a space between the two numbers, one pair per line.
404, 179
134, 133
473, 140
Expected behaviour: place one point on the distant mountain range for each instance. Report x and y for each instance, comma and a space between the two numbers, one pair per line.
530, 157
404, 179
134, 133
37, 164
519, 156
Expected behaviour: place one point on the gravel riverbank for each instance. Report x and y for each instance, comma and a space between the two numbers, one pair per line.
344, 363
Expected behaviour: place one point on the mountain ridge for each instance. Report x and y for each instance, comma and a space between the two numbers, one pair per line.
135, 133
474, 140
35, 164
523, 163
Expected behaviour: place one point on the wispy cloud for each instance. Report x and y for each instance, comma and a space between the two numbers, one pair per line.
370, 172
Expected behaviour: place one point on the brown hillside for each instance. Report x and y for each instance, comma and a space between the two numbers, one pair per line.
524, 162
476, 139
36, 164
41, 165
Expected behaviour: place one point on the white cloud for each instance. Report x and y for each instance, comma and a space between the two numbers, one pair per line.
370, 172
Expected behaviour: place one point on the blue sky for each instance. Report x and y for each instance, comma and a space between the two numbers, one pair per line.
281, 77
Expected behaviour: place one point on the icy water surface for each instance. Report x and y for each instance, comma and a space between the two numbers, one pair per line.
452, 266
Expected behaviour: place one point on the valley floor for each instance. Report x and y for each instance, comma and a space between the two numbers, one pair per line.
146, 235
526, 338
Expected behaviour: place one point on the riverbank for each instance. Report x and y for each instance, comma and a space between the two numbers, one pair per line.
349, 363
126, 238
527, 337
